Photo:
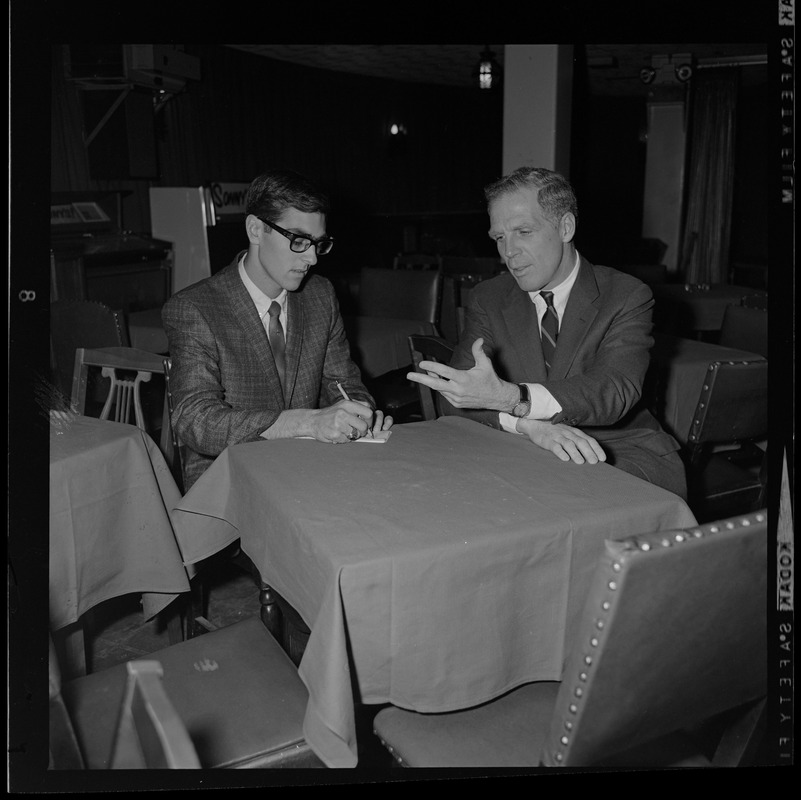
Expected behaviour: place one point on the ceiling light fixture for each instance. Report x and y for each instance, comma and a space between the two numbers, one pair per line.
488, 72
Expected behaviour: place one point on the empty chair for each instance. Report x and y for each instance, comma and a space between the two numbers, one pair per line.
236, 693
400, 294
731, 413
745, 328
81, 323
417, 261
429, 348
649, 679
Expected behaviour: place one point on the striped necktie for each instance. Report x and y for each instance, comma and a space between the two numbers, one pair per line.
275, 333
549, 329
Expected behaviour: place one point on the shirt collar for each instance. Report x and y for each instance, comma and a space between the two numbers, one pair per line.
260, 299
561, 291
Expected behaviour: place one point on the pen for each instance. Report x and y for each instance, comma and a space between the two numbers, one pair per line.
345, 395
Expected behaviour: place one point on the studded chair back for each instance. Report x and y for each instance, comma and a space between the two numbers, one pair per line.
667, 615
745, 328
668, 668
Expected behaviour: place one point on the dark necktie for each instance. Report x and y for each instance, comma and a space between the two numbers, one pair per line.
275, 333
549, 328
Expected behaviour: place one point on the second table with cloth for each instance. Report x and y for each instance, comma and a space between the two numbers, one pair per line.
111, 492
436, 571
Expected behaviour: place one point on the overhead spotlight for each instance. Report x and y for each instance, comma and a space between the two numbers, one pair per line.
488, 70
647, 74
683, 72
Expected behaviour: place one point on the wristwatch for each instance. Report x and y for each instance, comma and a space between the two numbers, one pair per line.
524, 405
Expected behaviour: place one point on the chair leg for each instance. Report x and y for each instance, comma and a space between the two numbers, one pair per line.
269, 612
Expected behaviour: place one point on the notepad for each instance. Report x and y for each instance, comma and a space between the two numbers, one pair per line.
380, 438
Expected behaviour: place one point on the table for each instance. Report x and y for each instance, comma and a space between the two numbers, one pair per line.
381, 344
146, 332
436, 571
679, 367
110, 530
681, 310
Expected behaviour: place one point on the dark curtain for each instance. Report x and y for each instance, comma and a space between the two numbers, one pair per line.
707, 227
69, 163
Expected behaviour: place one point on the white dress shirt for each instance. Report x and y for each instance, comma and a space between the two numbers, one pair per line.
262, 302
543, 403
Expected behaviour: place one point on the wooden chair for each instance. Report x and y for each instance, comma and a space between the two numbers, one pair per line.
235, 693
745, 328
726, 468
486, 266
81, 323
668, 668
417, 261
429, 348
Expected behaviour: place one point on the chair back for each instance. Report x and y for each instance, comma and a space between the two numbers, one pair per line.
417, 261
126, 369
149, 732
745, 328
674, 632
81, 323
429, 348
400, 294
733, 404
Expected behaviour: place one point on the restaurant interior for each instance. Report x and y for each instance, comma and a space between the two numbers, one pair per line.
442, 617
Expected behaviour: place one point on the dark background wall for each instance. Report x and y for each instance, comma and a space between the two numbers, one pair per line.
422, 192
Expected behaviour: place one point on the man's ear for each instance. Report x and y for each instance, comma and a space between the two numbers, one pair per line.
254, 228
567, 227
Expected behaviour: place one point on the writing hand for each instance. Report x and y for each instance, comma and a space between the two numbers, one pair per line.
568, 444
477, 387
344, 421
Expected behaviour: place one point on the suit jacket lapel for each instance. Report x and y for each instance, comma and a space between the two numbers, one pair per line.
246, 316
576, 321
523, 331
294, 342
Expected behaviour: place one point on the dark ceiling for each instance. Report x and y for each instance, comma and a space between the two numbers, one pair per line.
612, 69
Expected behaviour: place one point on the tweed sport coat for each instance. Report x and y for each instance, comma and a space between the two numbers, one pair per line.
601, 357
224, 381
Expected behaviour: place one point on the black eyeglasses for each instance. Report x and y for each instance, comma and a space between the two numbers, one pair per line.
298, 243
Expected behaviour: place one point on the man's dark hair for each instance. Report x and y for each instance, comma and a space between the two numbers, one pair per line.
272, 192
554, 193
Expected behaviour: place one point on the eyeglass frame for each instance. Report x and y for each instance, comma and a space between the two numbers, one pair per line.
293, 237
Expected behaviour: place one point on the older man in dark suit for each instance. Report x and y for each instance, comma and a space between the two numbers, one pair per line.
258, 349
562, 361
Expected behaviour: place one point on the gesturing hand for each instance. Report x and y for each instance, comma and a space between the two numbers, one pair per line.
568, 444
477, 387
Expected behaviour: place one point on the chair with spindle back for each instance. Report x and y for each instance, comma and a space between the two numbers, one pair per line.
649, 679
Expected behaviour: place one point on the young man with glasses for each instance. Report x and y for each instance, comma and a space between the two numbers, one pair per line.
258, 349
